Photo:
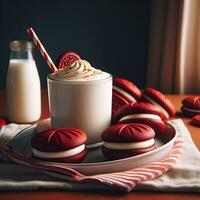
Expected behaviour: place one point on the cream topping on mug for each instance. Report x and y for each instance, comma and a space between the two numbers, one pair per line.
80, 70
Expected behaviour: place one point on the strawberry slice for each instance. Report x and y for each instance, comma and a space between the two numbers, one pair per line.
66, 59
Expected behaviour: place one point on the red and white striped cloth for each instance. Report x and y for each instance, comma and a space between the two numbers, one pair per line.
124, 181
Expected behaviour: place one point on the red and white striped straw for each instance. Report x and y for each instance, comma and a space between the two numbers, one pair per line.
39, 45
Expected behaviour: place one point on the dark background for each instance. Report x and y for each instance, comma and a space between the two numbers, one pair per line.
111, 34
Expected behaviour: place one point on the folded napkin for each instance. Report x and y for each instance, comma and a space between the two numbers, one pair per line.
184, 176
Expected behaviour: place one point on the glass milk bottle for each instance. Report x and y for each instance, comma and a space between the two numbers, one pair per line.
23, 84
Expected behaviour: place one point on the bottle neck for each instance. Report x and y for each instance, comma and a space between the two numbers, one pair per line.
25, 54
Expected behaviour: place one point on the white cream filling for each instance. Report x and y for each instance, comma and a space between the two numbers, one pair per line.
127, 146
134, 116
193, 110
159, 106
124, 93
60, 154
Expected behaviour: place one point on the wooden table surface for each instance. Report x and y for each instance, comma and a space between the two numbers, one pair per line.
99, 195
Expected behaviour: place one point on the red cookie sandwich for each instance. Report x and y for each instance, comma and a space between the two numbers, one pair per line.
125, 140
117, 102
191, 106
196, 120
141, 112
160, 100
124, 92
126, 89
60, 145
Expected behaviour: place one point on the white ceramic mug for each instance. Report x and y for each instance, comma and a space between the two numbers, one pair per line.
81, 104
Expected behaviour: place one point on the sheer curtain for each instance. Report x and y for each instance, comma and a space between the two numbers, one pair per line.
174, 54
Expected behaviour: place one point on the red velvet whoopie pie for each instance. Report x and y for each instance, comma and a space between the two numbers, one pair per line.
117, 102
141, 112
126, 89
60, 145
124, 92
160, 100
191, 106
196, 120
125, 140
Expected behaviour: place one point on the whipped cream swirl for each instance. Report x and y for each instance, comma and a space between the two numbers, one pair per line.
81, 70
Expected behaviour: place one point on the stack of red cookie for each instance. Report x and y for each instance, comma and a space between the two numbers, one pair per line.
135, 124
191, 108
141, 112
153, 110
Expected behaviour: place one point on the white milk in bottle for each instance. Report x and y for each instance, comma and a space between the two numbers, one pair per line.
23, 84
